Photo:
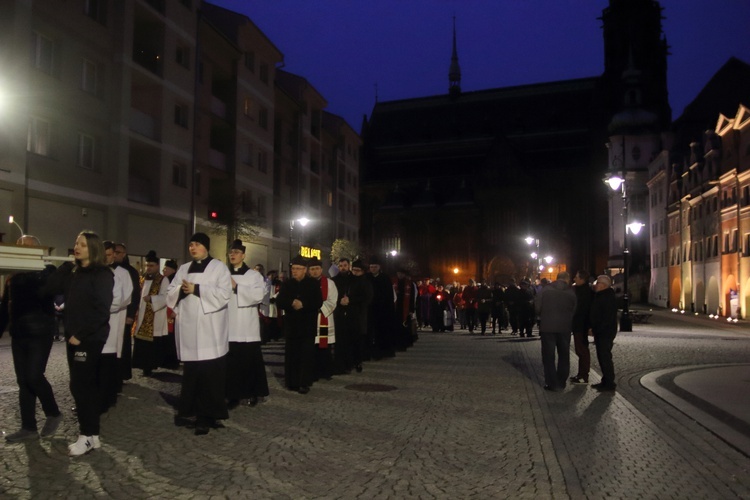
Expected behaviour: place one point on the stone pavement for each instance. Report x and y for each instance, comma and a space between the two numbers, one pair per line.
456, 416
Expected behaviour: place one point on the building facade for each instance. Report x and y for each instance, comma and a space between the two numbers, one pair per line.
148, 120
699, 264
474, 173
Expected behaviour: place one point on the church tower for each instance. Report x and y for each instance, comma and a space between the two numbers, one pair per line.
633, 38
454, 73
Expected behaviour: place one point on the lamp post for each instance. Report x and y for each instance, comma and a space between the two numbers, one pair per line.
530, 240
617, 183
302, 222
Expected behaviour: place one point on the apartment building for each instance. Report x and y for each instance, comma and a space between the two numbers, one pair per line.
98, 102
147, 120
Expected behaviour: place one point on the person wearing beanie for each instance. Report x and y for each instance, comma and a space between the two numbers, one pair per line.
151, 333
199, 294
300, 299
246, 371
170, 267
355, 295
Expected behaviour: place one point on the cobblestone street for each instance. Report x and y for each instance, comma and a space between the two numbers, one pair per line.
467, 417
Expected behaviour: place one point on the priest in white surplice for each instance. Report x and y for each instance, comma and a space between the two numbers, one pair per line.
199, 294
246, 371
150, 338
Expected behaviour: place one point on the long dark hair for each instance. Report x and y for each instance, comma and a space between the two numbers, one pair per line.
96, 249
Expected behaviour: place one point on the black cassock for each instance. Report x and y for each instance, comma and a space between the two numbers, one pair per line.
299, 329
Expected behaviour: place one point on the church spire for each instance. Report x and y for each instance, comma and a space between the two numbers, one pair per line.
454, 74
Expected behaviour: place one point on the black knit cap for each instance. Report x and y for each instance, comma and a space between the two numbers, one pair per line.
314, 261
237, 245
151, 257
203, 239
358, 264
300, 261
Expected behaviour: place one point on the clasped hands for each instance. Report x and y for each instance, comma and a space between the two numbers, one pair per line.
188, 287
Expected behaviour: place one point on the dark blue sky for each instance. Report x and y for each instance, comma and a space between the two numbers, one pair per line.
345, 47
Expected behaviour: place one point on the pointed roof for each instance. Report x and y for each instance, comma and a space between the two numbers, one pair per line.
454, 73
724, 92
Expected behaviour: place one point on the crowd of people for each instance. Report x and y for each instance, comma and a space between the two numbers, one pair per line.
558, 309
210, 319
207, 318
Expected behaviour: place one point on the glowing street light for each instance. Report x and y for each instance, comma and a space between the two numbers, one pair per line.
302, 221
635, 227
530, 240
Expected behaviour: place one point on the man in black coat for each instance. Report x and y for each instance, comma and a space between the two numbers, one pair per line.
300, 298
360, 297
343, 318
604, 329
382, 313
581, 318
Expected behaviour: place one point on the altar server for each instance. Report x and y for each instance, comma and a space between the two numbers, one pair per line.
246, 371
199, 294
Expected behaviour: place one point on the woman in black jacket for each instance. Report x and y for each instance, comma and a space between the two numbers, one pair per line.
88, 297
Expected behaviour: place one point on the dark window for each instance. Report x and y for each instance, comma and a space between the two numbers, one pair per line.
96, 10
182, 56
250, 61
179, 175
181, 115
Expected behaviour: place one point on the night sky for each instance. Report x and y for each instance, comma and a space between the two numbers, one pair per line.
344, 48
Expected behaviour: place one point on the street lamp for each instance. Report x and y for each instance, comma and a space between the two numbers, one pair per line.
302, 221
616, 182
530, 240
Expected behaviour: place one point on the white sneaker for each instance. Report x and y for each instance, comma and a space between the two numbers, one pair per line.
96, 442
84, 445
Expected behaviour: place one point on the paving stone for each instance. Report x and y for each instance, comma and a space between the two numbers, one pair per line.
468, 419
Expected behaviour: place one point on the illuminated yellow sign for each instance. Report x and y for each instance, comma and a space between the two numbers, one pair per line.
309, 252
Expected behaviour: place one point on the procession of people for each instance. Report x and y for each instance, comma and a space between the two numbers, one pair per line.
209, 320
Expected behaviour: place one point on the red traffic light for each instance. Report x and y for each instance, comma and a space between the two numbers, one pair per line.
213, 214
